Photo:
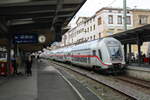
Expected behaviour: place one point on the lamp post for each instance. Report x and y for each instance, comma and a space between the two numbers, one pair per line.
125, 14
125, 25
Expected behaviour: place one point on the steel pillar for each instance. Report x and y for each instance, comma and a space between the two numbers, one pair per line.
125, 51
139, 43
125, 14
9, 55
58, 31
130, 53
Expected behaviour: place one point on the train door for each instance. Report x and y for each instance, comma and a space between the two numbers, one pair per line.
94, 58
100, 56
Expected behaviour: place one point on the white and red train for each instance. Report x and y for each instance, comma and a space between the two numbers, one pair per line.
105, 54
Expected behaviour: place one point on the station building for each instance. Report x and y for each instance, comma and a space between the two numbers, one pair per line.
141, 17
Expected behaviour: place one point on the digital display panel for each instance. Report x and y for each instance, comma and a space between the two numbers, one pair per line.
25, 38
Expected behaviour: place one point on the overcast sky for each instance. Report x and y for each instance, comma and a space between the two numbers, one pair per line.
91, 6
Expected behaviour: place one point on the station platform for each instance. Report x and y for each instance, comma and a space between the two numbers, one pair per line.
140, 72
46, 83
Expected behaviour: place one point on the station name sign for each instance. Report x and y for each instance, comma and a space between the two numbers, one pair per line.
25, 38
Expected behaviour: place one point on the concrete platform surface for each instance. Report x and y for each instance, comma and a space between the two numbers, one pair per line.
46, 83
19, 87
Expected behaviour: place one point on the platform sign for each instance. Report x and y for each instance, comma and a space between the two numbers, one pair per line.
25, 38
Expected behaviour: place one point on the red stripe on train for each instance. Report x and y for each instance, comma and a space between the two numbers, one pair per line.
90, 56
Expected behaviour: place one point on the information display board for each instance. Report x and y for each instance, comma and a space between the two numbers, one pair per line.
25, 38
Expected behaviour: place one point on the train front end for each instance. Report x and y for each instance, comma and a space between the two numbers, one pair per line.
116, 56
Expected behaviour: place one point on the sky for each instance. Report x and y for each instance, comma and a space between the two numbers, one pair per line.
91, 6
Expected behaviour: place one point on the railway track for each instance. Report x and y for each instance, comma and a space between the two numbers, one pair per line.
132, 93
138, 82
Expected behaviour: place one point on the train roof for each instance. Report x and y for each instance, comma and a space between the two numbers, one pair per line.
87, 45
84, 46
91, 44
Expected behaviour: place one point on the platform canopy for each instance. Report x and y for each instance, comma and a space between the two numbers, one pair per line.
140, 34
47, 17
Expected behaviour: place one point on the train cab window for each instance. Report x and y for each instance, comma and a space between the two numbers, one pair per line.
100, 54
94, 52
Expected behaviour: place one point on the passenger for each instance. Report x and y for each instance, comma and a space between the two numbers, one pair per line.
29, 66
133, 58
14, 65
143, 56
18, 61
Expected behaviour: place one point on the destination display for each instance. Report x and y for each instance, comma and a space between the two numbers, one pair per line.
25, 38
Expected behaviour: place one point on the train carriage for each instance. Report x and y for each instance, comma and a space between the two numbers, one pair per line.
105, 54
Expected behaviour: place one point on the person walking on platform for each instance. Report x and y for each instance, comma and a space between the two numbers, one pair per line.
29, 66
14, 65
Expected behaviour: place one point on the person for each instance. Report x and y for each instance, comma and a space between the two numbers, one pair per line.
133, 58
14, 65
29, 66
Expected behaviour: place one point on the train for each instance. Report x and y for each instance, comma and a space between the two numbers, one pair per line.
104, 55
3, 64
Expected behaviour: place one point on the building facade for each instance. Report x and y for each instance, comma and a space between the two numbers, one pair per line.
110, 21
141, 17
106, 22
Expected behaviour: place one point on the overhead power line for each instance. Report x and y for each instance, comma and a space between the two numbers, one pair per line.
111, 3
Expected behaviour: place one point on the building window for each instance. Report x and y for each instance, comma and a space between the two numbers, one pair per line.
94, 37
119, 19
90, 20
91, 37
110, 19
128, 20
119, 11
82, 29
85, 31
99, 21
119, 30
90, 28
99, 35
143, 19
93, 19
93, 27
87, 22
110, 11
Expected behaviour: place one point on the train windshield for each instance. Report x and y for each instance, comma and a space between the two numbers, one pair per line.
115, 52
